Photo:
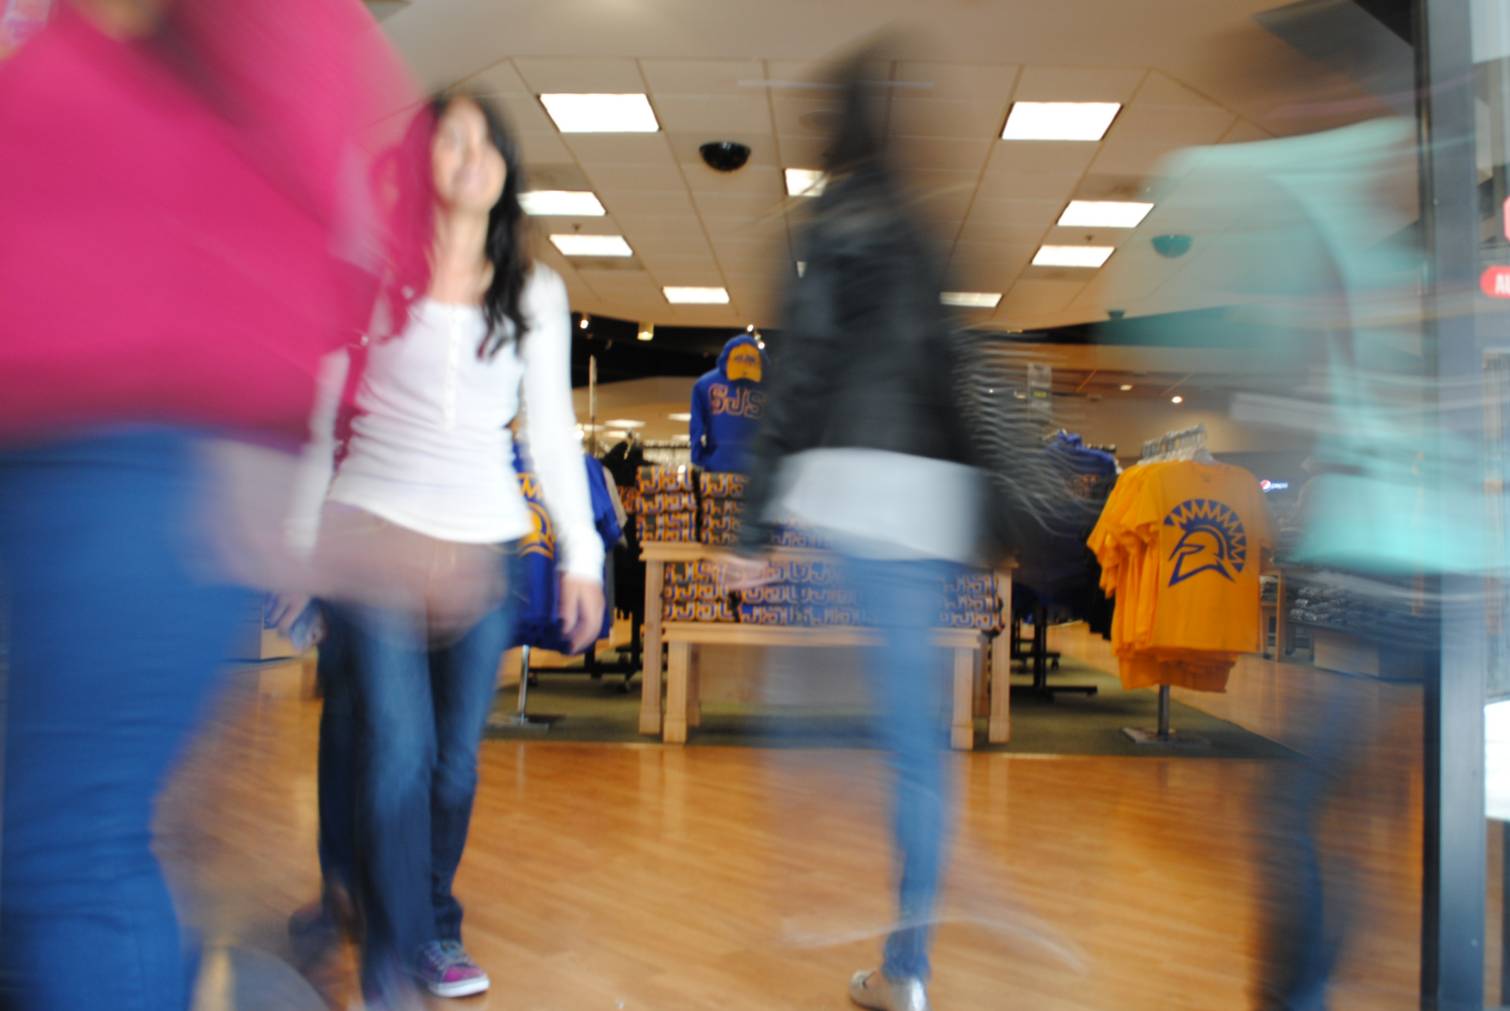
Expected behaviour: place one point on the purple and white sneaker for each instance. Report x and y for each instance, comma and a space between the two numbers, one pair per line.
446, 970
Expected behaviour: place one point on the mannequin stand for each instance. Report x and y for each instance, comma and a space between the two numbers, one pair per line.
522, 720
1163, 734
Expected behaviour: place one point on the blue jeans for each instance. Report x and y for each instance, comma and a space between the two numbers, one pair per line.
908, 675
337, 765
113, 643
1304, 922
420, 718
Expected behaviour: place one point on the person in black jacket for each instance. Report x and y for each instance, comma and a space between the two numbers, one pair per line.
860, 441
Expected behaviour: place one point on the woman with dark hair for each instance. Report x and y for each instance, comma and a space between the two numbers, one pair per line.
421, 518
862, 441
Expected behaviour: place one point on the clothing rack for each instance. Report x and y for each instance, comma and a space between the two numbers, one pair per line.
1184, 444
1037, 657
1174, 445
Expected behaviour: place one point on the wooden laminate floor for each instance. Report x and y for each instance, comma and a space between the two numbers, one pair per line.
647, 877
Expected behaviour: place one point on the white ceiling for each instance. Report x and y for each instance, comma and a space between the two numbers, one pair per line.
1189, 72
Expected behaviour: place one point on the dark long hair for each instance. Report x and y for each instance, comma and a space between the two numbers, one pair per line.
414, 217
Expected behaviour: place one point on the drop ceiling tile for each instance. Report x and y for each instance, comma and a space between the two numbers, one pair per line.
1161, 89
1077, 84
1053, 186
1090, 236
580, 75
578, 226
714, 115
545, 149
968, 272
1062, 158
750, 205
499, 79
1043, 296
703, 274
703, 77
1245, 132
929, 183
1008, 234
1136, 158
939, 154
799, 151
1176, 126
620, 283
655, 239
946, 205
525, 113
661, 262
630, 178
937, 117
621, 149
805, 117
959, 80
626, 202
790, 75
762, 180
1001, 260
1027, 214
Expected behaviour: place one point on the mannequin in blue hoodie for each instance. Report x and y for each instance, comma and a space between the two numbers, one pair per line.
726, 407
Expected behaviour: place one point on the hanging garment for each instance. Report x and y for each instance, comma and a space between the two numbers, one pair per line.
1065, 574
1180, 545
726, 407
538, 623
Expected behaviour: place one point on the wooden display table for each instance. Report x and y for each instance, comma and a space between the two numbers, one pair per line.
974, 678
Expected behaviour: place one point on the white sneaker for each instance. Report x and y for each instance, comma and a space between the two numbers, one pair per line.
875, 991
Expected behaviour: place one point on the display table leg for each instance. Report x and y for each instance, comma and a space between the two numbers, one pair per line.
982, 686
1000, 728
695, 688
962, 730
678, 668
650, 681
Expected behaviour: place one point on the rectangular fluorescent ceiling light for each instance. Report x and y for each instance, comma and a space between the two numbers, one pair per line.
680, 416
562, 204
601, 113
624, 423
1072, 256
697, 296
971, 299
1059, 120
1104, 214
805, 182
591, 245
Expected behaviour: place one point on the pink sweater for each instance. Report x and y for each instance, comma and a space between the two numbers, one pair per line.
175, 214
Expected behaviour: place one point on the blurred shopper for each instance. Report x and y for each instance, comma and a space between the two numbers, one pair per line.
177, 251
861, 441
426, 498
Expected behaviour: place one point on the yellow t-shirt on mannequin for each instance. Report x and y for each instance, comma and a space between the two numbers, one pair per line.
1207, 527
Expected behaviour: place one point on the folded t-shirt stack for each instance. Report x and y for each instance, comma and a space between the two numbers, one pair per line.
668, 505
722, 506
971, 601
693, 592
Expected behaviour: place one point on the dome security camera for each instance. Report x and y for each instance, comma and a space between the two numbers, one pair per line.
1172, 247
725, 155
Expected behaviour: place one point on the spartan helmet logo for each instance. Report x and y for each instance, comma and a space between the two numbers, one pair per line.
1214, 540
541, 540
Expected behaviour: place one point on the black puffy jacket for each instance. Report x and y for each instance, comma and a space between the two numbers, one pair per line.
865, 357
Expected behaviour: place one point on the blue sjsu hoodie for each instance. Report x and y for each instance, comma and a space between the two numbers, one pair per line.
538, 624
726, 407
